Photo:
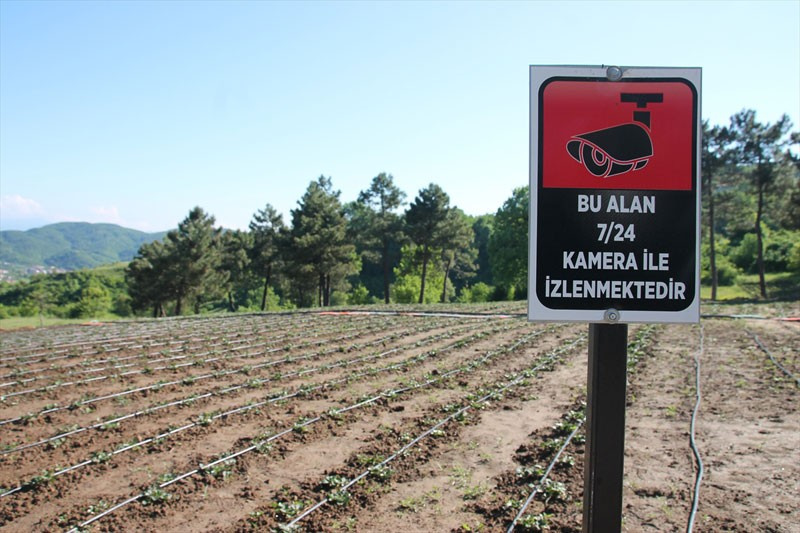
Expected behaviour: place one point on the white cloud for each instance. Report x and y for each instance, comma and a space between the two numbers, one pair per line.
16, 206
107, 214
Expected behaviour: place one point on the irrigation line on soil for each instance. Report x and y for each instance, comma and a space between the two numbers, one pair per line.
147, 356
221, 391
112, 344
695, 451
147, 371
218, 374
544, 477
550, 358
302, 391
335, 412
772, 358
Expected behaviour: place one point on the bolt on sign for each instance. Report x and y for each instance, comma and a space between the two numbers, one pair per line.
615, 194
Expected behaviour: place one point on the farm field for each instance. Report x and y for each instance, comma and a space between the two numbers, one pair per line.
446, 419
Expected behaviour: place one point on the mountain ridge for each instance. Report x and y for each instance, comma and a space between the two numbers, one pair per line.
71, 245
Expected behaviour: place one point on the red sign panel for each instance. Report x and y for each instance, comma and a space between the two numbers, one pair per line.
618, 135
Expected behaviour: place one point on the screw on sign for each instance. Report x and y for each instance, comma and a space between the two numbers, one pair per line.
615, 196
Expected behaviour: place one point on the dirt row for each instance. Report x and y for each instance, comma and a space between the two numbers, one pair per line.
253, 448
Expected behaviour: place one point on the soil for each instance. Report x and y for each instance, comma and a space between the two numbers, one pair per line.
411, 422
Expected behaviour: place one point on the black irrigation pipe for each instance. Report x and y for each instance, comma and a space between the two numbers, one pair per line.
700, 470
158, 337
192, 355
250, 406
772, 358
147, 355
188, 400
211, 334
218, 374
145, 371
544, 477
550, 358
252, 383
335, 412
641, 337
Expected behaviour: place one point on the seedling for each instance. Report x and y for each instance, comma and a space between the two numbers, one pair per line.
98, 507
288, 510
380, 473
554, 490
530, 473
473, 493
204, 419
155, 495
537, 522
333, 482
221, 470
339, 497
100, 457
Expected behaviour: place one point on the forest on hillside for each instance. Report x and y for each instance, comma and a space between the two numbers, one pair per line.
371, 250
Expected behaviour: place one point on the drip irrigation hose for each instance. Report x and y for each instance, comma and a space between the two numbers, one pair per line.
544, 477
311, 421
198, 377
285, 396
194, 362
772, 358
509, 384
692, 442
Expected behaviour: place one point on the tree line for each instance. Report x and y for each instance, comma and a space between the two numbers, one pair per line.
751, 200
334, 253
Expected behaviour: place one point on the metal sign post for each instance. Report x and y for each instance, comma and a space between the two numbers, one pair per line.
614, 231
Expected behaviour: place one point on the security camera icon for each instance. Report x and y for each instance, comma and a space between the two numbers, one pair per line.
621, 148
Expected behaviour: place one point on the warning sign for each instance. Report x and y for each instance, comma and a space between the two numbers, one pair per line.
615, 195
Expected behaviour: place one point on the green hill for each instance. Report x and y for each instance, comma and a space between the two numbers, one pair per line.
72, 245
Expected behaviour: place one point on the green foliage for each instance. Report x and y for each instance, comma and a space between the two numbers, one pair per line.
482, 227
408, 284
266, 230
537, 522
794, 258
95, 293
359, 296
478, 293
155, 495
455, 240
425, 218
235, 262
508, 243
778, 249
726, 269
317, 250
184, 268
377, 229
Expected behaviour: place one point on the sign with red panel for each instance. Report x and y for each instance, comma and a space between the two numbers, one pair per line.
615, 195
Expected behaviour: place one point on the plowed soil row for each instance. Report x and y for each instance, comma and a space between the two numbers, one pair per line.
250, 442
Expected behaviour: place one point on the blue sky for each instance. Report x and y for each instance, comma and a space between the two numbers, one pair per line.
134, 112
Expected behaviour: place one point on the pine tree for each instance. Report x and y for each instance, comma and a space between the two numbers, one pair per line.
455, 241
266, 227
147, 285
378, 227
193, 261
317, 243
760, 150
424, 220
